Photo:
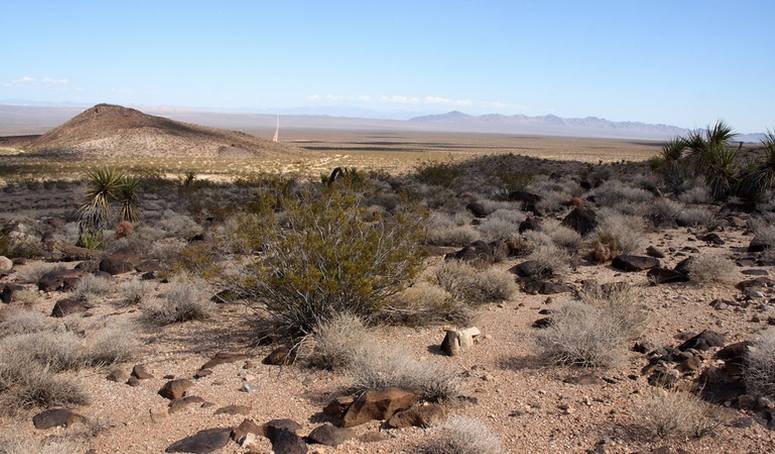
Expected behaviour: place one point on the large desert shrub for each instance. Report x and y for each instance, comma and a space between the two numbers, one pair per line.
331, 256
760, 366
446, 230
593, 332
550, 259
463, 435
474, 286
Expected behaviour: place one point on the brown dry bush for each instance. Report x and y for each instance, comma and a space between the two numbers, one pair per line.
620, 233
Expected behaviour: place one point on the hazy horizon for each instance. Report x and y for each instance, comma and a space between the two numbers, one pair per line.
685, 64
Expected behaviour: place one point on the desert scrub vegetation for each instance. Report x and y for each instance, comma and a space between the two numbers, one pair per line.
674, 414
32, 272
105, 187
463, 435
33, 350
712, 155
185, 299
474, 286
330, 255
592, 332
133, 293
617, 234
376, 368
615, 192
423, 304
90, 287
337, 341
437, 174
760, 365
707, 268
447, 230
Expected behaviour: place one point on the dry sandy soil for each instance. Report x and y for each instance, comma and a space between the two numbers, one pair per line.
519, 396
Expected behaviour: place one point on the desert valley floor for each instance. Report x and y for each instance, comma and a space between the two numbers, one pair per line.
591, 218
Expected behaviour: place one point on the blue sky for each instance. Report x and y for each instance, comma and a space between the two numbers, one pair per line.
679, 62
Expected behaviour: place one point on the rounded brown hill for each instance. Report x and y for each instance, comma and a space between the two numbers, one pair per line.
112, 131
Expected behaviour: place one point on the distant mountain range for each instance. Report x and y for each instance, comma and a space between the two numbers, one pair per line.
36, 119
556, 126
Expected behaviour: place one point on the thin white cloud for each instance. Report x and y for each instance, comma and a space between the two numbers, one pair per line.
30, 81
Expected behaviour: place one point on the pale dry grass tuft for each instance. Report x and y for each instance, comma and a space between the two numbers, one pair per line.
463, 435
707, 268
675, 413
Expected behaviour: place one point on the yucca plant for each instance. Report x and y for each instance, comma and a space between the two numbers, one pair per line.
761, 177
721, 170
127, 198
703, 146
102, 187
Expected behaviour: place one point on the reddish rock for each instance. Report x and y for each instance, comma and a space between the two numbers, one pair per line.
176, 389
56, 417
378, 404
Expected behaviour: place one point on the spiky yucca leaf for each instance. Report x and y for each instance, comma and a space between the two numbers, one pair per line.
761, 178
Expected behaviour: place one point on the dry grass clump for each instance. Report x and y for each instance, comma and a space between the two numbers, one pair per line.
562, 236
467, 283
337, 342
760, 366
25, 322
33, 351
445, 230
134, 292
376, 368
697, 216
179, 225
90, 287
620, 233
185, 299
593, 332
764, 232
708, 268
700, 193
463, 435
664, 212
675, 413
32, 272
424, 304
494, 229
554, 194
550, 258
615, 192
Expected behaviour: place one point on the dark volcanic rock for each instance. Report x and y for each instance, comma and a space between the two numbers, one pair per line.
660, 275
118, 263
703, 341
6, 296
59, 280
478, 251
652, 251
531, 223
531, 269
67, 306
204, 441
581, 219
542, 287
634, 262
56, 417
528, 199
477, 209
329, 435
